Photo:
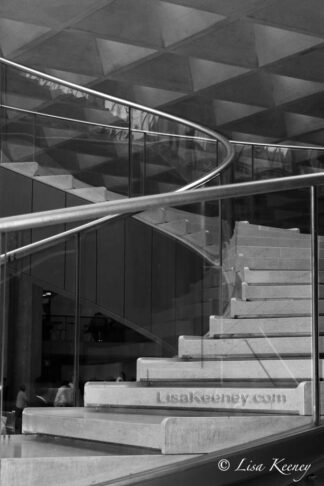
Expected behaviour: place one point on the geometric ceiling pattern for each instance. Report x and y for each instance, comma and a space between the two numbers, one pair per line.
252, 69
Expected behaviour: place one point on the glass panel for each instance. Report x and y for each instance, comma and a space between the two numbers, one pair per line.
116, 325
32, 92
243, 163
17, 136
173, 162
149, 122
96, 156
266, 302
67, 131
39, 319
275, 161
237, 325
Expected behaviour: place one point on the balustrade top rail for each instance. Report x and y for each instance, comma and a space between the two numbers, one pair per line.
142, 203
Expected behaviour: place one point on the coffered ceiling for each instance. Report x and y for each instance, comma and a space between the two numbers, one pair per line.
253, 69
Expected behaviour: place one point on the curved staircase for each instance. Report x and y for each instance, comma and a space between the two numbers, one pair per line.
248, 378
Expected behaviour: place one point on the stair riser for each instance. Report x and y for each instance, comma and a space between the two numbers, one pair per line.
287, 400
270, 263
277, 276
279, 307
121, 432
264, 241
252, 292
268, 369
272, 252
212, 348
263, 326
243, 229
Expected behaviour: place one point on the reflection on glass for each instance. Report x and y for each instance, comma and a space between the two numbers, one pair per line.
17, 136
38, 359
32, 92
243, 163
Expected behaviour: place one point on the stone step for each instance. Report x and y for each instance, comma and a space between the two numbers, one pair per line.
94, 194
273, 307
179, 227
80, 423
266, 326
27, 460
274, 263
25, 168
207, 348
271, 241
295, 400
64, 182
202, 238
170, 435
111, 196
239, 369
274, 252
245, 228
277, 276
257, 292
160, 215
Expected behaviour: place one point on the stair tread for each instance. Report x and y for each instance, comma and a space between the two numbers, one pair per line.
25, 168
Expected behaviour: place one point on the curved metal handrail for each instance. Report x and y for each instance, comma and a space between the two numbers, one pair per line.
230, 152
229, 155
143, 203
111, 209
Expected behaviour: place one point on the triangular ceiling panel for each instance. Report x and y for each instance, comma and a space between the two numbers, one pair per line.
254, 88
227, 111
232, 43
14, 35
273, 44
49, 13
207, 73
306, 16
67, 51
178, 22
115, 55
297, 124
269, 123
155, 97
249, 137
166, 71
224, 7
126, 20
286, 89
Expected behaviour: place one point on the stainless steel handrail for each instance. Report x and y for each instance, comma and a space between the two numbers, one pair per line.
215, 135
278, 145
142, 203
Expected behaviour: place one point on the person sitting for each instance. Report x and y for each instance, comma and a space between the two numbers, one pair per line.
64, 395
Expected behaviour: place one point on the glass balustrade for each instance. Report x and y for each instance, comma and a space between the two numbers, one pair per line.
216, 306
92, 145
